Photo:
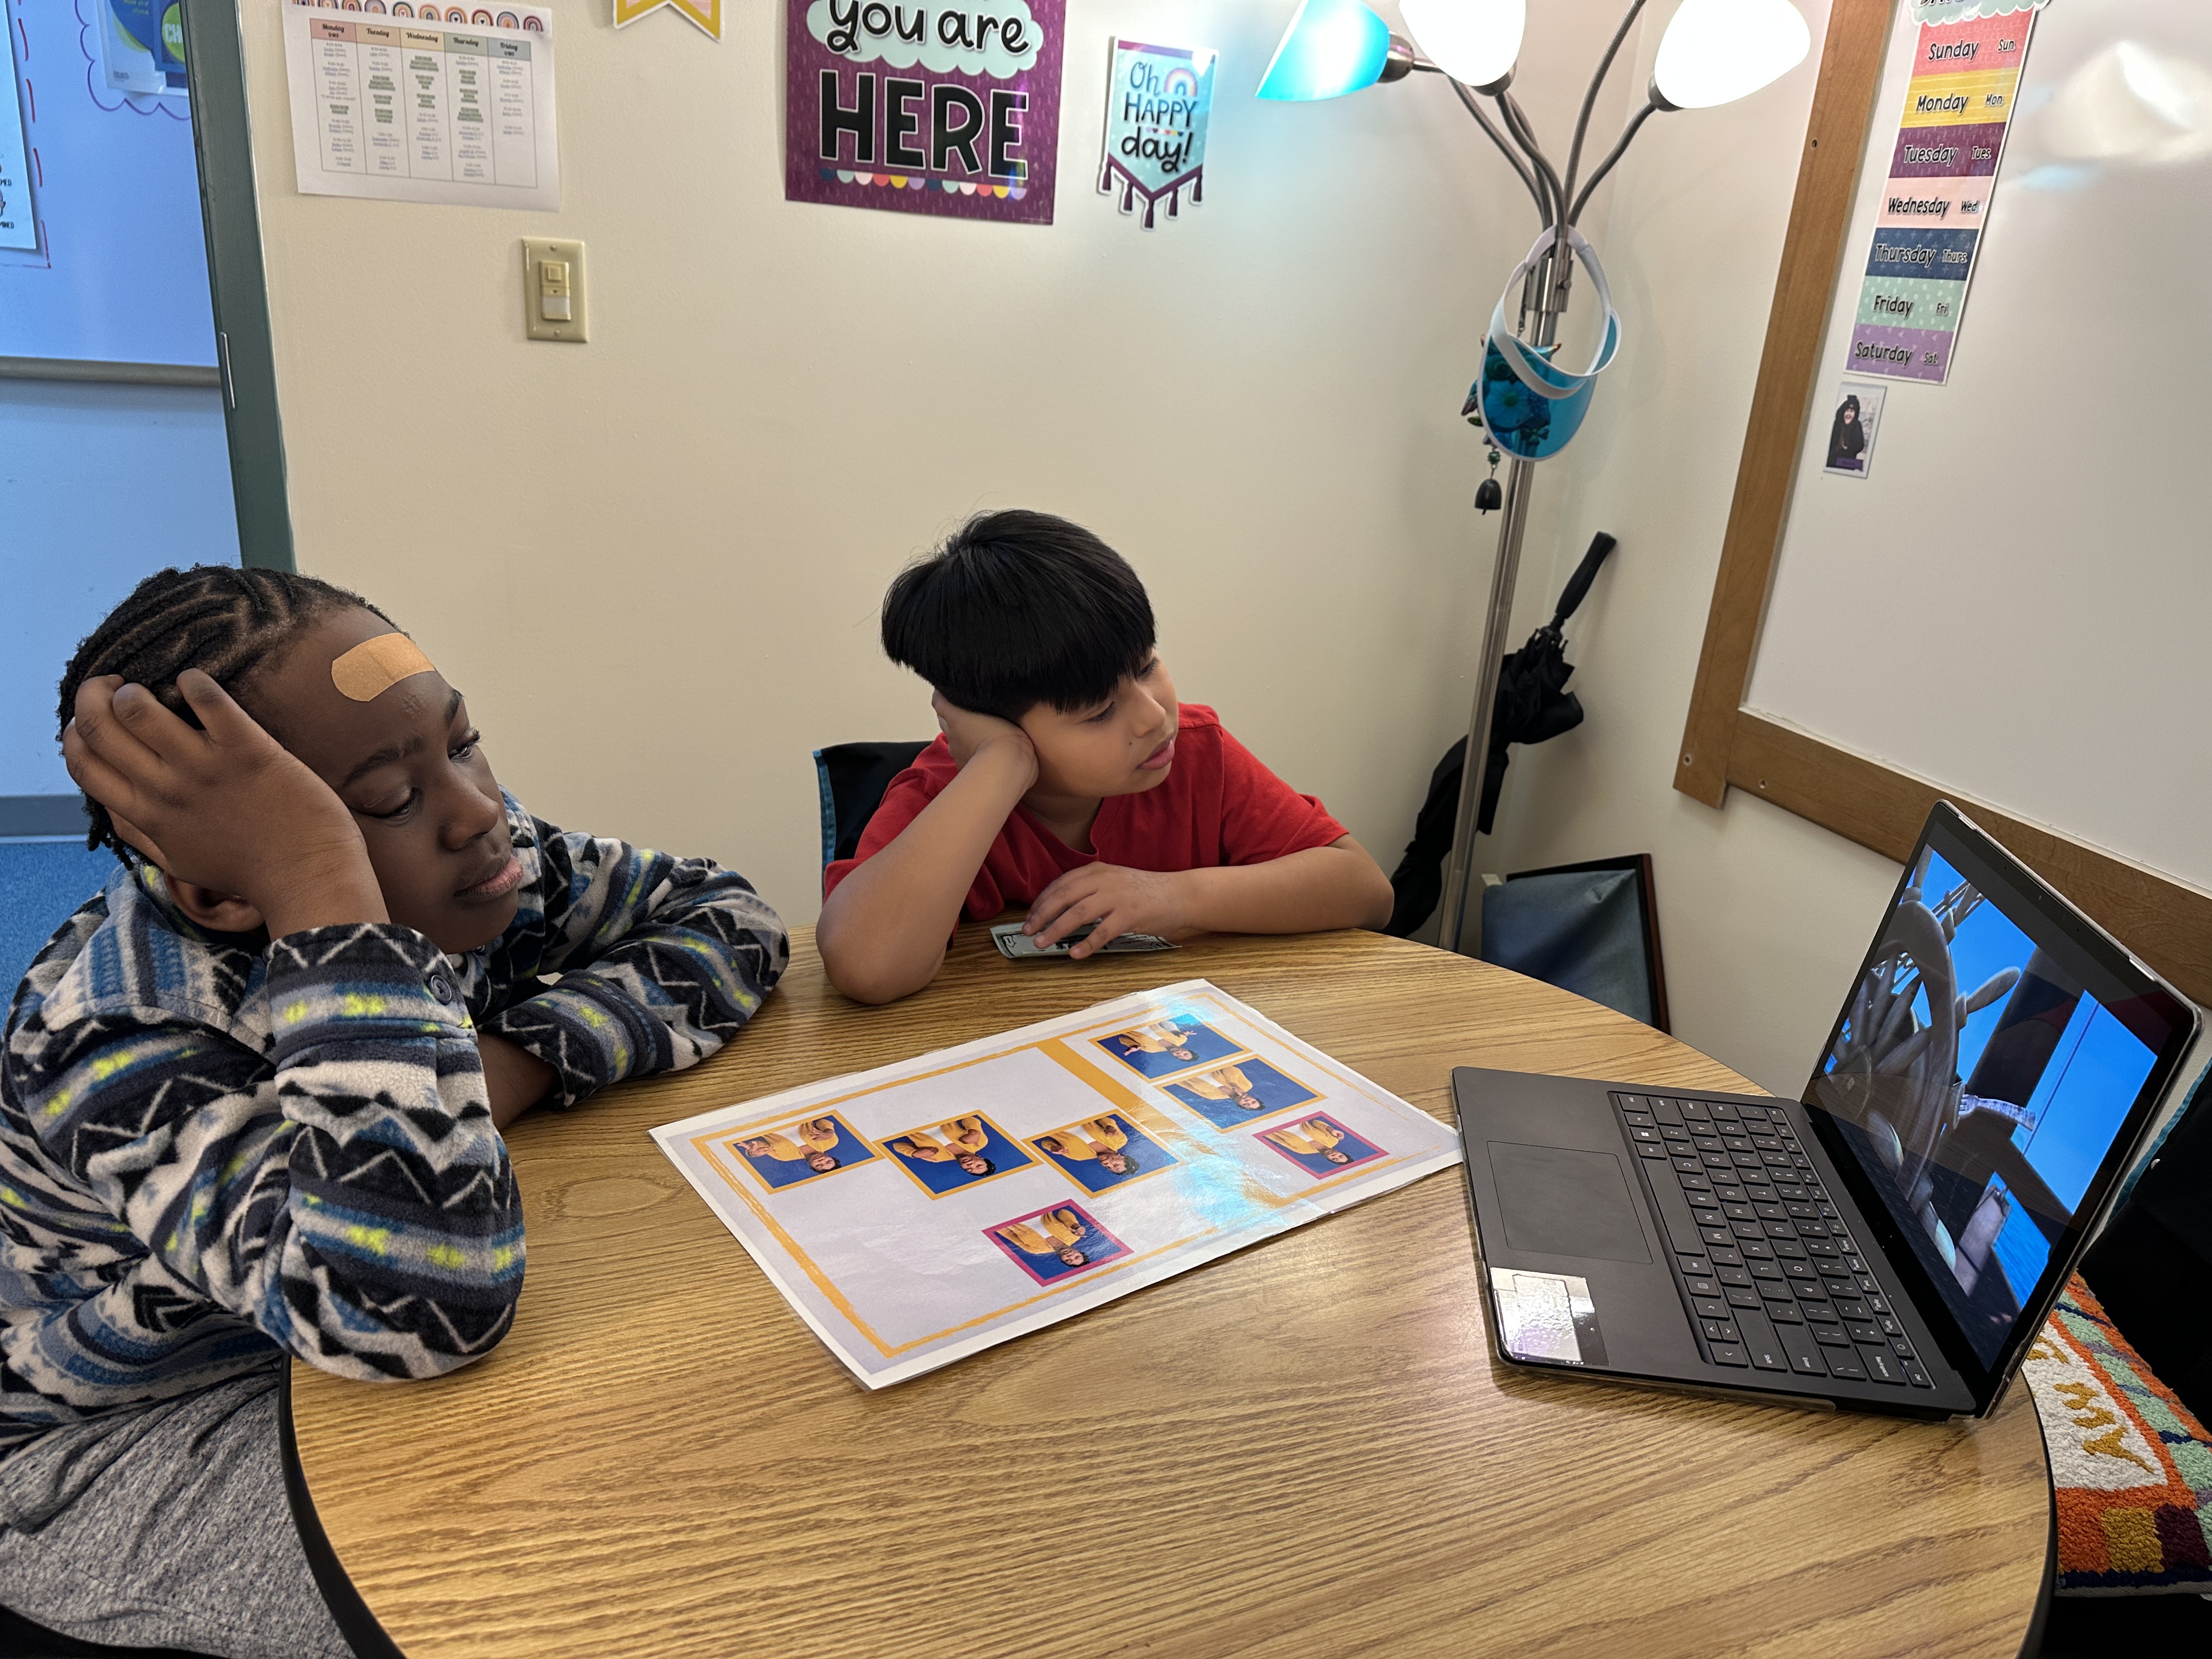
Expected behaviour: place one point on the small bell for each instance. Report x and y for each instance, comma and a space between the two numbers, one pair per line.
1488, 497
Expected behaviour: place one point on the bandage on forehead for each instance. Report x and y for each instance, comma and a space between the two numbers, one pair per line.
374, 666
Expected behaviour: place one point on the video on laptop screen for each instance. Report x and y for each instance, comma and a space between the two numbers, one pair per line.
1980, 1087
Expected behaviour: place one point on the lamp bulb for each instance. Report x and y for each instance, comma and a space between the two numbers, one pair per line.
1476, 42
1716, 52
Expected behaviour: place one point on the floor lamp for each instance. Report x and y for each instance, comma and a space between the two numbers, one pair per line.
1714, 51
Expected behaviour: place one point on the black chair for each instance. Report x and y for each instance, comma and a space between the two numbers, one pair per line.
852, 777
2100, 1626
1591, 928
22, 1639
2152, 1266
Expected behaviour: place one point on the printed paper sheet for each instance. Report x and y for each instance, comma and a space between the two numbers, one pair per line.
917, 1213
19, 224
1943, 173
410, 101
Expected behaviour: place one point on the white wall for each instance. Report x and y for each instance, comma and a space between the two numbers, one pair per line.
1763, 916
653, 562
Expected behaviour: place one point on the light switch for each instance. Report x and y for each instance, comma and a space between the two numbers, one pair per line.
553, 290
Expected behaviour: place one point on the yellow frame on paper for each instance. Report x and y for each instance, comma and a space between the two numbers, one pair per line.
1065, 1051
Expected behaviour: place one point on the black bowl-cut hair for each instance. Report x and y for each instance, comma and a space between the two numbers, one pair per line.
228, 621
1017, 608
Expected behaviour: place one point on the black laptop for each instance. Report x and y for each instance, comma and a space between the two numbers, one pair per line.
1892, 1241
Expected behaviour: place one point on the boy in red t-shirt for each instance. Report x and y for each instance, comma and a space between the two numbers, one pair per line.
1068, 779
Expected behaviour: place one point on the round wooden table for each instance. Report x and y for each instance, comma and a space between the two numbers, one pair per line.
1306, 1448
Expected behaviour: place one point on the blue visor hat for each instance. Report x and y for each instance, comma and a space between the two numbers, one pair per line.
1533, 408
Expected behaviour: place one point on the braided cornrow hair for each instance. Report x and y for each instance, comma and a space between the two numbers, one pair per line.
228, 621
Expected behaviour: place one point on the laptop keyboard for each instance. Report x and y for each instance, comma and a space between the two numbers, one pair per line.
1772, 1279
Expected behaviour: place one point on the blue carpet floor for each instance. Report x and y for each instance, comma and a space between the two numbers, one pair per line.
40, 883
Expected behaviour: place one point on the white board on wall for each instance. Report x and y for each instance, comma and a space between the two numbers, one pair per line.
2015, 601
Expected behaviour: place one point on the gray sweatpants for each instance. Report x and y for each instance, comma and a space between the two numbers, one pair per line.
164, 1528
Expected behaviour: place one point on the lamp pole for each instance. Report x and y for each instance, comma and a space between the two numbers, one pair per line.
1460, 926
1713, 51
1543, 302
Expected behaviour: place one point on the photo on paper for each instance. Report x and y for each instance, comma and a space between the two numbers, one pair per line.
1161, 1047
1104, 1153
1854, 424
1320, 1145
950, 1157
1056, 1243
799, 1152
1226, 1095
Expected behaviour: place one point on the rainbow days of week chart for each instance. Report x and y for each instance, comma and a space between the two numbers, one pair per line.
412, 104
1958, 108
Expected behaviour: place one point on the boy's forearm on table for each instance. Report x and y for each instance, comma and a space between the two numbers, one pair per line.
652, 981
1319, 889
883, 931
514, 1078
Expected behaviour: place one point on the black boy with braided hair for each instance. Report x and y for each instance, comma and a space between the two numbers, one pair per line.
250, 1095
224, 620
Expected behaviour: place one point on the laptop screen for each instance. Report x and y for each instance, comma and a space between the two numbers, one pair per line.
1987, 1076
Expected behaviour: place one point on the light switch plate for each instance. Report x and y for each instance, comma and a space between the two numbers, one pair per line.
536, 324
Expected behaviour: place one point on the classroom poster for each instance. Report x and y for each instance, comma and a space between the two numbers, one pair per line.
925, 108
18, 220
408, 101
141, 45
1942, 172
1158, 101
1854, 424
919, 1213
1958, 11
706, 16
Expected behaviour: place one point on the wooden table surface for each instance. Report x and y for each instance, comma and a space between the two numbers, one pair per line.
1305, 1448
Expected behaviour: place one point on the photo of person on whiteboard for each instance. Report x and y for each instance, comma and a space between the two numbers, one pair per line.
1847, 438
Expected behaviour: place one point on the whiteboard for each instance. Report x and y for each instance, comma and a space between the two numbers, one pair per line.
102, 255
2015, 600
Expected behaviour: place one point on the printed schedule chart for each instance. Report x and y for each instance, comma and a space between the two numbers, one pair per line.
411, 108
1942, 172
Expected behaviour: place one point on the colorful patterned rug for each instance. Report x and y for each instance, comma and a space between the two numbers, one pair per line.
2131, 1467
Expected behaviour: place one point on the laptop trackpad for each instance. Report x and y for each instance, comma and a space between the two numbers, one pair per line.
1561, 1202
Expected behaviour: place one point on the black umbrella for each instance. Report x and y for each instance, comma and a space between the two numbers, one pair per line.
1534, 706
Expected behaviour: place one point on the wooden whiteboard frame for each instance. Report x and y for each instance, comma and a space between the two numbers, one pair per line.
2166, 923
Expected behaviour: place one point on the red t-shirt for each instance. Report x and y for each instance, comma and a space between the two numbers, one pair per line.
1219, 805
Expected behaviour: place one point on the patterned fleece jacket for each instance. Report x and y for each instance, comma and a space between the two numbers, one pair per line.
214, 1150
